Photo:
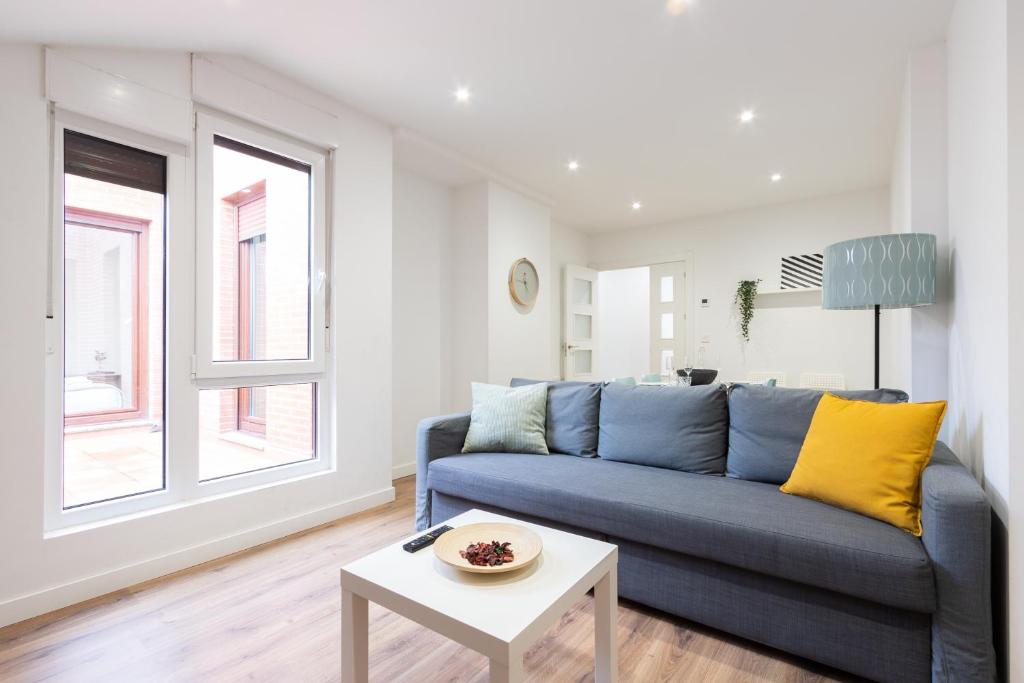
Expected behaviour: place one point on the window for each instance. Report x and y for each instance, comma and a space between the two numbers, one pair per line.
668, 325
260, 342
113, 303
667, 289
261, 254
285, 434
262, 206
235, 283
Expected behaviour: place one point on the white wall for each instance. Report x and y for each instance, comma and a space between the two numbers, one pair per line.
1015, 376
422, 221
978, 341
568, 247
984, 365
469, 330
917, 342
791, 335
623, 322
491, 338
520, 337
41, 571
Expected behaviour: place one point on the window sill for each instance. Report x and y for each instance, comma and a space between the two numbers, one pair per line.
158, 509
244, 439
113, 424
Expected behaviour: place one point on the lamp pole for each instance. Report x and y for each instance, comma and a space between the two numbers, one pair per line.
878, 321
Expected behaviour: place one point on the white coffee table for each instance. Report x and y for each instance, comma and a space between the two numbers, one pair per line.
529, 601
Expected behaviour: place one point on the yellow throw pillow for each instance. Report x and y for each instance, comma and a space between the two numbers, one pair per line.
868, 457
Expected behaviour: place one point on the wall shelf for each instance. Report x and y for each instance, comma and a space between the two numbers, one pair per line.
773, 292
789, 298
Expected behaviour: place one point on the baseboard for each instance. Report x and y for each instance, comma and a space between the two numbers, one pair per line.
32, 605
404, 470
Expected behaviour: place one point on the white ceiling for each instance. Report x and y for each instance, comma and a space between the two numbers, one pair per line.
646, 101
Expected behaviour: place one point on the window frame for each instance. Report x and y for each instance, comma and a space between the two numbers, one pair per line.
56, 517
246, 303
139, 230
182, 385
232, 374
247, 246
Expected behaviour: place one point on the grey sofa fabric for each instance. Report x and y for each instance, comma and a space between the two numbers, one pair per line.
678, 428
746, 524
767, 426
878, 642
956, 518
444, 507
572, 416
436, 437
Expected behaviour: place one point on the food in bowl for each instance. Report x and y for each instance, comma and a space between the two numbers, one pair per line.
493, 554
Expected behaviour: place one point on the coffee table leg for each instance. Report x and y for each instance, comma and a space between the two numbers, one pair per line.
606, 612
355, 646
509, 671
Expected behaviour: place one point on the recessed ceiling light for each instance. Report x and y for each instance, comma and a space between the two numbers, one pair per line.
747, 115
462, 94
776, 177
637, 206
677, 7
246, 190
573, 165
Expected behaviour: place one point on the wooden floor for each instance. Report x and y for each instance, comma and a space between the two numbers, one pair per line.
271, 614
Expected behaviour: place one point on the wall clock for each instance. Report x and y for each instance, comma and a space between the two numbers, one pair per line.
523, 282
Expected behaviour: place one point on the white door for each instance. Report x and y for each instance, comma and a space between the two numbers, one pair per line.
579, 324
668, 317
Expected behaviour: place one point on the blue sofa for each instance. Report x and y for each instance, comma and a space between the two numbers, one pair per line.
686, 482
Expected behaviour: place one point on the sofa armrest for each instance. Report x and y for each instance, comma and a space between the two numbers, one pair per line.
957, 520
436, 437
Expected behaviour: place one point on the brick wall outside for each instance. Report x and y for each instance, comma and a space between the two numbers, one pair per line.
289, 409
226, 310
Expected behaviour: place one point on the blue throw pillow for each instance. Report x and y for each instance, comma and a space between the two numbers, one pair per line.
679, 428
767, 426
572, 415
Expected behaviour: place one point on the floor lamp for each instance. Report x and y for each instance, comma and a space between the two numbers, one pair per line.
886, 271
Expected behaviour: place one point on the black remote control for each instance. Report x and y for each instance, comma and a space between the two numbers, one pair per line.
425, 540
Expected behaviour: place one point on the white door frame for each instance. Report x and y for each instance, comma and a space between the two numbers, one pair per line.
570, 309
680, 343
684, 255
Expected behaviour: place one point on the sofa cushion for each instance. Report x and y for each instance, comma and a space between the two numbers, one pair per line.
742, 523
507, 419
678, 428
767, 426
572, 416
868, 457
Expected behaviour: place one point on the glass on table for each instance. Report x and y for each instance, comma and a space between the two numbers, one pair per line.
685, 378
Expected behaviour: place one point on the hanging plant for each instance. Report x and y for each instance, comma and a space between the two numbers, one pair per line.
746, 292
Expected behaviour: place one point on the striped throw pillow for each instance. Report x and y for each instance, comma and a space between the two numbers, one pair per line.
507, 419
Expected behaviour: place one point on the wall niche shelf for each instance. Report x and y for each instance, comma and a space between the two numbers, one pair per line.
773, 292
786, 298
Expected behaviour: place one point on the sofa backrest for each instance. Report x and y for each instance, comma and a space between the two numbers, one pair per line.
572, 416
680, 428
767, 426
749, 431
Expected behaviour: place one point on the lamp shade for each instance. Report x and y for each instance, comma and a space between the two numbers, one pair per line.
891, 271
